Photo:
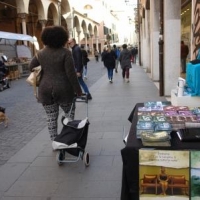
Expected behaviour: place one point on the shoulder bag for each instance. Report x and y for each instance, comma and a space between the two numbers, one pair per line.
35, 77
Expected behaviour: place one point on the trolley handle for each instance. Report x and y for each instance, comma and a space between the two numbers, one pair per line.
80, 99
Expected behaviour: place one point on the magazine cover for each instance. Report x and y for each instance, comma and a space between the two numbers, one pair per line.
195, 175
145, 118
164, 174
169, 108
144, 126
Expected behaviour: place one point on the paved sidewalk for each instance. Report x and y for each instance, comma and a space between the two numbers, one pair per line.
26, 116
33, 173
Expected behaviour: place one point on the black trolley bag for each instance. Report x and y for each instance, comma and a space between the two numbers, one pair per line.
71, 142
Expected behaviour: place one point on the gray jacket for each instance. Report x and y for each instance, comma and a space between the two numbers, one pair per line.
59, 81
125, 59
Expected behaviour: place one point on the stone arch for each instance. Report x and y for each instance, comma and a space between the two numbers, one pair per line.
40, 9
84, 31
36, 15
95, 31
147, 5
76, 24
52, 15
84, 26
90, 29
65, 7
32, 18
66, 19
22, 6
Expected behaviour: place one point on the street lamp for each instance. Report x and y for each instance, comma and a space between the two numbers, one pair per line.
88, 7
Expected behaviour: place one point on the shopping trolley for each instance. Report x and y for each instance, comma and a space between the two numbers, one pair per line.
71, 142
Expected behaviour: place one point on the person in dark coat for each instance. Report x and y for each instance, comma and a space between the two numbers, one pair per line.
102, 55
3, 70
134, 52
59, 82
85, 60
184, 54
117, 52
109, 60
96, 55
125, 61
77, 55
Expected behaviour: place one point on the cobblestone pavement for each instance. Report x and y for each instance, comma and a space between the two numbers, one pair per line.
27, 117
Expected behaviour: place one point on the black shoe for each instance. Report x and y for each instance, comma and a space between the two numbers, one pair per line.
89, 97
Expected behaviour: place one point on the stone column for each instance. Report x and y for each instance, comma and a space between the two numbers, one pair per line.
172, 27
154, 19
146, 41
78, 34
70, 27
92, 44
142, 30
97, 43
70, 24
85, 34
23, 18
43, 22
59, 13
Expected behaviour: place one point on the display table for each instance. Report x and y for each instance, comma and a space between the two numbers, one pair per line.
130, 157
16, 70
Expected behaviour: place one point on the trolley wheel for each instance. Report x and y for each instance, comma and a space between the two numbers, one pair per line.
1, 87
86, 159
9, 83
60, 156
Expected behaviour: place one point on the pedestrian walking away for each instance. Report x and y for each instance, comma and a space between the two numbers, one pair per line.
109, 60
96, 55
134, 52
77, 56
125, 61
117, 52
85, 61
102, 55
59, 82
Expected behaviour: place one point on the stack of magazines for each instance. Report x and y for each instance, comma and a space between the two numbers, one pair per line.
159, 138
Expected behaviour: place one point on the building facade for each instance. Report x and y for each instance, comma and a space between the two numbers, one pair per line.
31, 16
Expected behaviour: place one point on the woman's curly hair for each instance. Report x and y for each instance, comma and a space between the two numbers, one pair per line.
54, 36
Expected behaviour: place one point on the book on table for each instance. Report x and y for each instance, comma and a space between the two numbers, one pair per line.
154, 139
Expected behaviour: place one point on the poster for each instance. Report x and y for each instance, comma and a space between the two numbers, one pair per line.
195, 175
164, 174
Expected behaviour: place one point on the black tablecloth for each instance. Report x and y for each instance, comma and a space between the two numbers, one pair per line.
130, 157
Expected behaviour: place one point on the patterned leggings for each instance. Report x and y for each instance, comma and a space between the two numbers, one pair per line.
52, 112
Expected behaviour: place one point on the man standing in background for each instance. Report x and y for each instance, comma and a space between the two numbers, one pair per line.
117, 53
85, 61
184, 54
77, 55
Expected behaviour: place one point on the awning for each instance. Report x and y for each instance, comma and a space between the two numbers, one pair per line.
16, 36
